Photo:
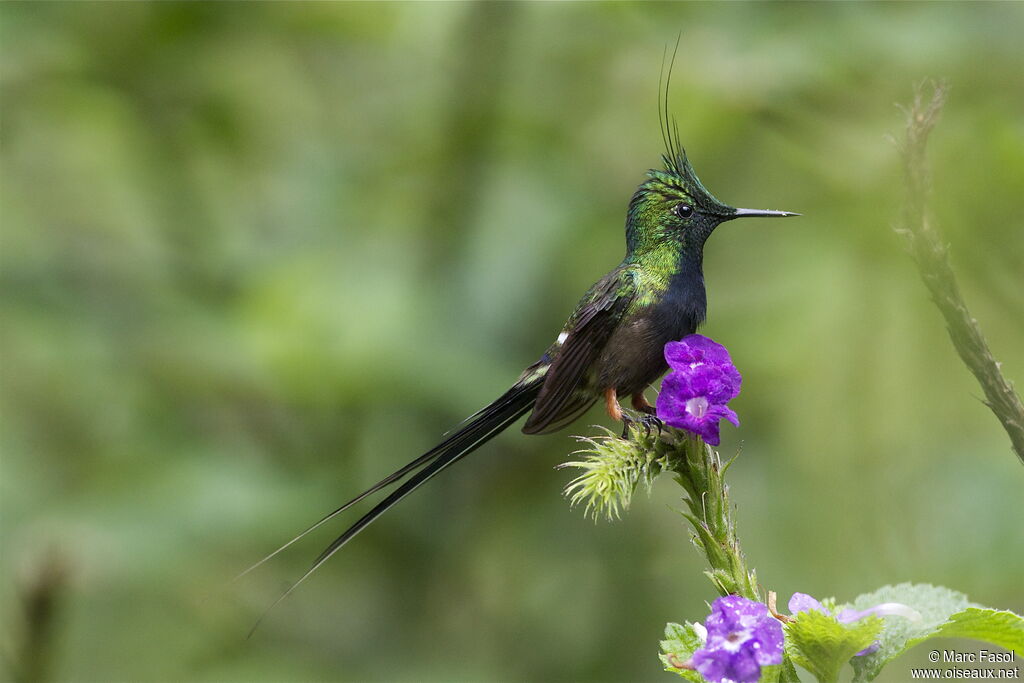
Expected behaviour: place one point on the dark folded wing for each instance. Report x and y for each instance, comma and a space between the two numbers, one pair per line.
563, 396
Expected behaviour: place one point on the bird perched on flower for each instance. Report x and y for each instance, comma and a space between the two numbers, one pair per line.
612, 345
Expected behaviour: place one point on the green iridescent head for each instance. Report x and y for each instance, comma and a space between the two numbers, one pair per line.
673, 208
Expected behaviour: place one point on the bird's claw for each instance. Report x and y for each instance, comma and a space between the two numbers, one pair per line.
652, 422
645, 420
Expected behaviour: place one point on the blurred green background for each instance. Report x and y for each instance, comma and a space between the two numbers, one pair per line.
256, 257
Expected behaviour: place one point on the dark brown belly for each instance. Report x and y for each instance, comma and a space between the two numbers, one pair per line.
632, 359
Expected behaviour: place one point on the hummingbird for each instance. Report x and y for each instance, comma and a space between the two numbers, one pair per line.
611, 346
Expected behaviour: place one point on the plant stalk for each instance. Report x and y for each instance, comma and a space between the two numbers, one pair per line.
925, 244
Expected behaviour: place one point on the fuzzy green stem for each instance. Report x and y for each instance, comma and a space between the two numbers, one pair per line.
931, 254
612, 468
699, 469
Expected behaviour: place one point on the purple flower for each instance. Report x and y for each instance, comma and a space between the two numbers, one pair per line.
703, 379
742, 637
801, 602
696, 349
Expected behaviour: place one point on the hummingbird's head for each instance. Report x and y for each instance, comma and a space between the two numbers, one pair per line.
673, 208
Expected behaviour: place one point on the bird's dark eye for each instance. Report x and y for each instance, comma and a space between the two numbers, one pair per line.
683, 210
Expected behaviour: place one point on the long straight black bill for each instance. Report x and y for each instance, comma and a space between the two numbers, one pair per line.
754, 213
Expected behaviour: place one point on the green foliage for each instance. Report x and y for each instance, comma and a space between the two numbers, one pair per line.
613, 468
999, 627
944, 613
819, 643
680, 642
815, 640
254, 258
700, 471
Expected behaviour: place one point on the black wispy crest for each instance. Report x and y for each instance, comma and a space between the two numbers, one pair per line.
674, 156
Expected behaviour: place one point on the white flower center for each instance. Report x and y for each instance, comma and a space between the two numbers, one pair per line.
735, 640
698, 406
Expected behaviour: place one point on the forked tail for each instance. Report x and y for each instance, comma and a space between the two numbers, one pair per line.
476, 431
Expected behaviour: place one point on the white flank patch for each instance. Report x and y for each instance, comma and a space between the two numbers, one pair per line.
562, 337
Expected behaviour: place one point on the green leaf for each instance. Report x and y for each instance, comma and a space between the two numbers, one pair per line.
1001, 628
943, 613
681, 641
780, 673
935, 605
820, 644
787, 672
770, 674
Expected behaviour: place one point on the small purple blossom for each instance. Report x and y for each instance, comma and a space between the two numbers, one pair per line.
741, 638
703, 380
870, 649
696, 349
801, 602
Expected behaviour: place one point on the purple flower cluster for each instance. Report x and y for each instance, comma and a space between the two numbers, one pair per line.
703, 380
741, 638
